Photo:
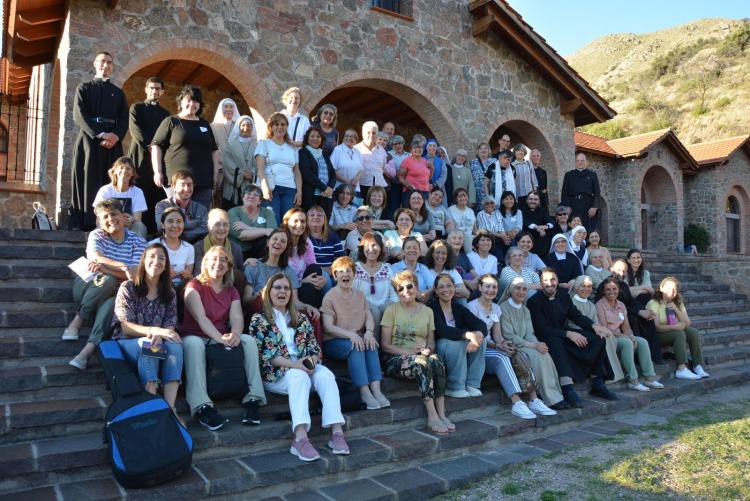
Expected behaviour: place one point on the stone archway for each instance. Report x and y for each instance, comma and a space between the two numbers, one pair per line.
661, 224
523, 130
736, 221
424, 102
248, 83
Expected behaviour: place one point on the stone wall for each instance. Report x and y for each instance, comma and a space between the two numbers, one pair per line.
621, 181
730, 270
463, 87
706, 195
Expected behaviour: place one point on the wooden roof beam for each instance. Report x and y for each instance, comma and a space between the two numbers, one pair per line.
188, 80
570, 105
33, 33
216, 82
43, 15
28, 49
164, 70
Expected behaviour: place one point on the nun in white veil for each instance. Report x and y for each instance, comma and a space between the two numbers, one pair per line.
239, 161
224, 119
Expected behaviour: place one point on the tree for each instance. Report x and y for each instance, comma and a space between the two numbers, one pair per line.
699, 78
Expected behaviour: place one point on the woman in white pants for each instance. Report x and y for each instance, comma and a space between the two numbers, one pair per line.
289, 358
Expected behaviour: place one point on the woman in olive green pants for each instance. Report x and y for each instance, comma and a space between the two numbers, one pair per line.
673, 326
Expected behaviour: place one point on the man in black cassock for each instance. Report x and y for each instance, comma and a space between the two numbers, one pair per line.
101, 111
577, 353
580, 192
541, 177
539, 223
145, 118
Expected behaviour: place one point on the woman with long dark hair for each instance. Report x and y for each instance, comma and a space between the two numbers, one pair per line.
146, 315
318, 176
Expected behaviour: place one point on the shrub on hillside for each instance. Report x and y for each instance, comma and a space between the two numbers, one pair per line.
670, 62
697, 235
737, 42
610, 129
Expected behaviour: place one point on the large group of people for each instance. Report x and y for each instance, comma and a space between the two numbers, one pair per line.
309, 245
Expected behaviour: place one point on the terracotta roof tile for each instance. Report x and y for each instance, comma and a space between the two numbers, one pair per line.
716, 151
635, 145
590, 142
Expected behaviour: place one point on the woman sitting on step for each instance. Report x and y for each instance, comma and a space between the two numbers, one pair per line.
349, 333
290, 364
113, 253
213, 315
673, 327
407, 338
146, 313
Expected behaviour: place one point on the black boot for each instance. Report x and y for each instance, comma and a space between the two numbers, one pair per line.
571, 397
599, 389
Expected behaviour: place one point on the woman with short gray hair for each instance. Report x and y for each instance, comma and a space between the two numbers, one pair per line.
374, 158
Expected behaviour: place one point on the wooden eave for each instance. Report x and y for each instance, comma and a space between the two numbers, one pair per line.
577, 97
31, 35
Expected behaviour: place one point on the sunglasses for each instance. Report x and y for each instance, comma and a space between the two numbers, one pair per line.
405, 286
364, 218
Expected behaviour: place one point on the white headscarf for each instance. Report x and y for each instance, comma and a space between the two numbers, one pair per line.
573, 247
554, 239
219, 115
235, 134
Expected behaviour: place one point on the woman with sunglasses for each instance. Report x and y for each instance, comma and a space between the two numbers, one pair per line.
408, 344
373, 276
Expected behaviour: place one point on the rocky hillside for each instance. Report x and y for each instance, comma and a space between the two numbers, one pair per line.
692, 77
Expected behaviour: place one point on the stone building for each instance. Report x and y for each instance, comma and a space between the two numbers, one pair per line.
653, 186
462, 73
457, 71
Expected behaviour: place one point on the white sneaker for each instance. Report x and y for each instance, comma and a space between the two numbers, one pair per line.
537, 407
638, 387
473, 392
520, 409
70, 334
457, 393
79, 363
700, 371
686, 374
654, 384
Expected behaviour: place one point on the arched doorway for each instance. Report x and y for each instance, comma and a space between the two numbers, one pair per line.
356, 105
659, 211
198, 62
736, 208
393, 98
522, 131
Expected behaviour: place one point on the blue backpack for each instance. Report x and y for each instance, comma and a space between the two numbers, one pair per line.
147, 443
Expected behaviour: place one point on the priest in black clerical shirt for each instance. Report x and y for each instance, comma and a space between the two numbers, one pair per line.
538, 222
577, 353
101, 111
145, 118
580, 192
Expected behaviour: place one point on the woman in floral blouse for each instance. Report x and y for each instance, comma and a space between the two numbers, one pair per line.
146, 312
290, 365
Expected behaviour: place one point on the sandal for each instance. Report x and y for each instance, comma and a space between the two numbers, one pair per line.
437, 427
448, 424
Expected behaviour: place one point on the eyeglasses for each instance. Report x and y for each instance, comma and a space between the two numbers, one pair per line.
281, 288
401, 288
562, 213
364, 218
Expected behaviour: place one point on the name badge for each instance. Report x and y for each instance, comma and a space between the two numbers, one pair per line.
203, 129
261, 220
622, 317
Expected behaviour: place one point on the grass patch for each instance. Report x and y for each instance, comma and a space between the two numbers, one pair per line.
511, 489
707, 460
553, 495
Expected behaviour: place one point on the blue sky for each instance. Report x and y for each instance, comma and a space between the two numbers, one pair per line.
569, 25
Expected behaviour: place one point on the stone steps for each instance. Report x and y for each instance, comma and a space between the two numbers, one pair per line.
393, 460
26, 391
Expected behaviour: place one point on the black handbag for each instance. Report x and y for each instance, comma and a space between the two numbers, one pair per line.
225, 371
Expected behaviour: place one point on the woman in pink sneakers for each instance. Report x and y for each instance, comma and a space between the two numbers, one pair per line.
290, 365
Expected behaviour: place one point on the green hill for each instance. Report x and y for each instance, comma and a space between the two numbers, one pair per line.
694, 78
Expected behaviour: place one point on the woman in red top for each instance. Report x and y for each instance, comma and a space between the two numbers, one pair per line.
415, 173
